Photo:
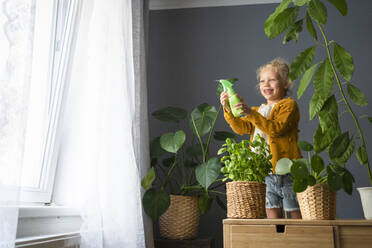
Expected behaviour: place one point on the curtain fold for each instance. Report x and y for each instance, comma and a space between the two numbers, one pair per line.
140, 10
16, 38
103, 146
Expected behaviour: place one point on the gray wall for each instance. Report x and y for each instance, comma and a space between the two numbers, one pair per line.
190, 48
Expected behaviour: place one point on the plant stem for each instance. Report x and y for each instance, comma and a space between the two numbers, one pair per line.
210, 133
346, 102
183, 170
169, 172
199, 138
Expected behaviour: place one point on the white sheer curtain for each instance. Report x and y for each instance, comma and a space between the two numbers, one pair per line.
16, 35
101, 139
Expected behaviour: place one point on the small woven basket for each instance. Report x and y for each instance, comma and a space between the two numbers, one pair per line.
317, 202
181, 220
245, 200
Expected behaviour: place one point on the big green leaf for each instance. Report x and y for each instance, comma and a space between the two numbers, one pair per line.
299, 185
334, 179
318, 11
155, 148
324, 80
347, 182
172, 142
317, 163
305, 146
269, 21
323, 139
301, 63
202, 118
362, 155
300, 2
328, 116
170, 114
155, 203
147, 180
356, 95
208, 172
311, 181
339, 145
305, 80
282, 22
223, 135
340, 5
343, 61
318, 140
310, 27
299, 169
342, 148
347, 154
293, 32
205, 203
316, 104
283, 166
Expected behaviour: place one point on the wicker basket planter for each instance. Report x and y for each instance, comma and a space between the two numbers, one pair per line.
317, 202
181, 220
245, 200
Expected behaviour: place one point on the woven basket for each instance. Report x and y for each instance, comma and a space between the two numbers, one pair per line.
245, 200
317, 202
181, 220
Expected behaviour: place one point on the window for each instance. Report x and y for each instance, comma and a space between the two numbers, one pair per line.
53, 30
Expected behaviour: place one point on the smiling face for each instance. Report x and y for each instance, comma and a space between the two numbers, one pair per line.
271, 86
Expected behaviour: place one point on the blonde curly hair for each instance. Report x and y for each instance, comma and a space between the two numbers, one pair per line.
281, 66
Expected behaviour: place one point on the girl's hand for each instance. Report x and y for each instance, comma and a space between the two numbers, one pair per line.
244, 109
224, 99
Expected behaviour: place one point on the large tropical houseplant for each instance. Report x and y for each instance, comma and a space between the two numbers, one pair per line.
331, 77
183, 168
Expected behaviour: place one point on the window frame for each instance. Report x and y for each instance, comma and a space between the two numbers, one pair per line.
56, 17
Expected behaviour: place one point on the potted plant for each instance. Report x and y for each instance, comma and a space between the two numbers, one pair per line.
246, 165
334, 72
316, 184
179, 183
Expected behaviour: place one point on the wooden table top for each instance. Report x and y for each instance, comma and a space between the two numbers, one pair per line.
338, 222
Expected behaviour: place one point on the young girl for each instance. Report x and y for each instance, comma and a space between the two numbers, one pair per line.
276, 121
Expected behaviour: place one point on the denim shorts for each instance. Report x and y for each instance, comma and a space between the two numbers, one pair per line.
279, 193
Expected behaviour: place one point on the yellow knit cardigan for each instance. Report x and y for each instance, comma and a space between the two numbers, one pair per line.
281, 127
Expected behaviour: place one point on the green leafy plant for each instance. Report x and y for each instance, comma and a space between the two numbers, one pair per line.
332, 77
246, 161
311, 171
180, 168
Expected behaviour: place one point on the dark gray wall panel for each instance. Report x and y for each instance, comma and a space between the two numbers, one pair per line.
190, 48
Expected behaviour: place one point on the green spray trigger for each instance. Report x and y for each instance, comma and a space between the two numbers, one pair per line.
233, 98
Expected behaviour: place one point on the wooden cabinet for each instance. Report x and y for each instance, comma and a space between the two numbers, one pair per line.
191, 243
280, 233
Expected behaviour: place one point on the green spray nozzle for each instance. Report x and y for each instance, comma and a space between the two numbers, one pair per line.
233, 98
227, 85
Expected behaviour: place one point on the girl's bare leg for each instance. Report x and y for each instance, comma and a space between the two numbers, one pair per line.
274, 213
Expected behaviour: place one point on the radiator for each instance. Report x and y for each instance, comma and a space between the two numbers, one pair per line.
59, 241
